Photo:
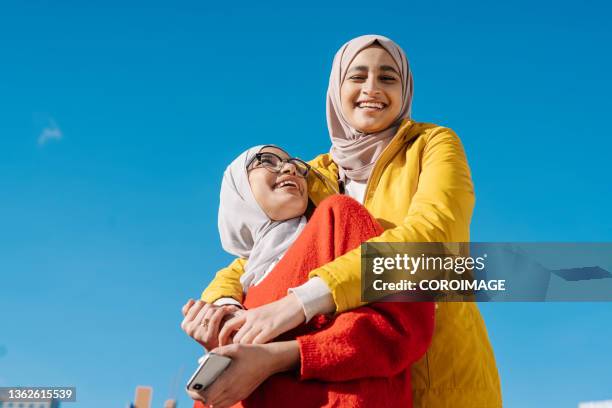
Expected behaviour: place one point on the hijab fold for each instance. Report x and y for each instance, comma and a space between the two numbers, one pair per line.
355, 152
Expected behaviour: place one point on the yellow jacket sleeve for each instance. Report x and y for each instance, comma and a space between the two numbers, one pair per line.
439, 211
226, 283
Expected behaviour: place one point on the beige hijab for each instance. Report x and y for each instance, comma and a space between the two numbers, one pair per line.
353, 151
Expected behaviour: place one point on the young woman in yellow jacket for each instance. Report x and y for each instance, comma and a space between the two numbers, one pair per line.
414, 179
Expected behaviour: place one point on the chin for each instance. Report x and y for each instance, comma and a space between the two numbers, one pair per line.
367, 125
291, 207
369, 128
287, 214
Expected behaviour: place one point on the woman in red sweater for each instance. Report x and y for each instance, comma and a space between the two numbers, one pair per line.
360, 358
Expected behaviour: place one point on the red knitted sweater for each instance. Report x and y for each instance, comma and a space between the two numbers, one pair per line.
360, 358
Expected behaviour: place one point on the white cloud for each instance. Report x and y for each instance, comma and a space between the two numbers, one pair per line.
49, 133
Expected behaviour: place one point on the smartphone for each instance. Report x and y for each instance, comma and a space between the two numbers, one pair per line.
211, 367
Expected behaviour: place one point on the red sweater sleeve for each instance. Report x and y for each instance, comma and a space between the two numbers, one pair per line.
377, 340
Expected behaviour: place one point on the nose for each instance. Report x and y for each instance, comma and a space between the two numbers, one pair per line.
370, 86
288, 168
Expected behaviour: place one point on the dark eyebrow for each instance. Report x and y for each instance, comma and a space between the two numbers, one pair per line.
382, 68
359, 68
281, 154
389, 68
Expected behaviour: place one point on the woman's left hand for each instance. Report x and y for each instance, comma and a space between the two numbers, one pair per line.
202, 321
262, 324
251, 365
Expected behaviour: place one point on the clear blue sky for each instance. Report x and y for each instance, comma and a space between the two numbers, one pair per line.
107, 230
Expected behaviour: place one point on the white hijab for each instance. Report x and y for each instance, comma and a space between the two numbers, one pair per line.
355, 152
245, 229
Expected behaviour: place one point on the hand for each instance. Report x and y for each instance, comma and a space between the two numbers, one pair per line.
251, 365
264, 323
202, 321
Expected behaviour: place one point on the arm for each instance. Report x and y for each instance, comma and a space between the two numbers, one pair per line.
226, 283
345, 350
379, 340
440, 211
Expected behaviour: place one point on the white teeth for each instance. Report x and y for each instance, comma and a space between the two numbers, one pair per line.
375, 105
286, 183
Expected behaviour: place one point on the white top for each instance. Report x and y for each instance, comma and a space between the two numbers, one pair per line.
315, 297
355, 189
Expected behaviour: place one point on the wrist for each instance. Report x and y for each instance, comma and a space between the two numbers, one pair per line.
285, 356
294, 306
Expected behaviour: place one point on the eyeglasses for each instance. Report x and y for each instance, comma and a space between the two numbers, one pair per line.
275, 164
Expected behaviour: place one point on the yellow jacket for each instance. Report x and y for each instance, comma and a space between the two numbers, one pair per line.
420, 190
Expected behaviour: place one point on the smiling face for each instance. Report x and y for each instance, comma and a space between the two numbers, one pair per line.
371, 94
282, 195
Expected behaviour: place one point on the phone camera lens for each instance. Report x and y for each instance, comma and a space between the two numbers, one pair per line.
197, 386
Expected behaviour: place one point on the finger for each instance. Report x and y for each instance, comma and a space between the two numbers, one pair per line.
230, 327
194, 395
194, 310
208, 314
199, 318
243, 331
213, 402
263, 337
248, 336
195, 327
225, 338
187, 305
214, 391
223, 384
228, 351
188, 322
204, 397
198, 334
212, 332
225, 403
227, 317
193, 323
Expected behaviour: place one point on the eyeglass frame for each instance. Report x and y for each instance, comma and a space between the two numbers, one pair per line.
283, 161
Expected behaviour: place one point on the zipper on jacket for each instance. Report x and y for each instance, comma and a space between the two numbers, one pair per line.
393, 147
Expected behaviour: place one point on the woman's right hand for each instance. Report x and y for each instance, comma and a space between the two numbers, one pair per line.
202, 321
251, 365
